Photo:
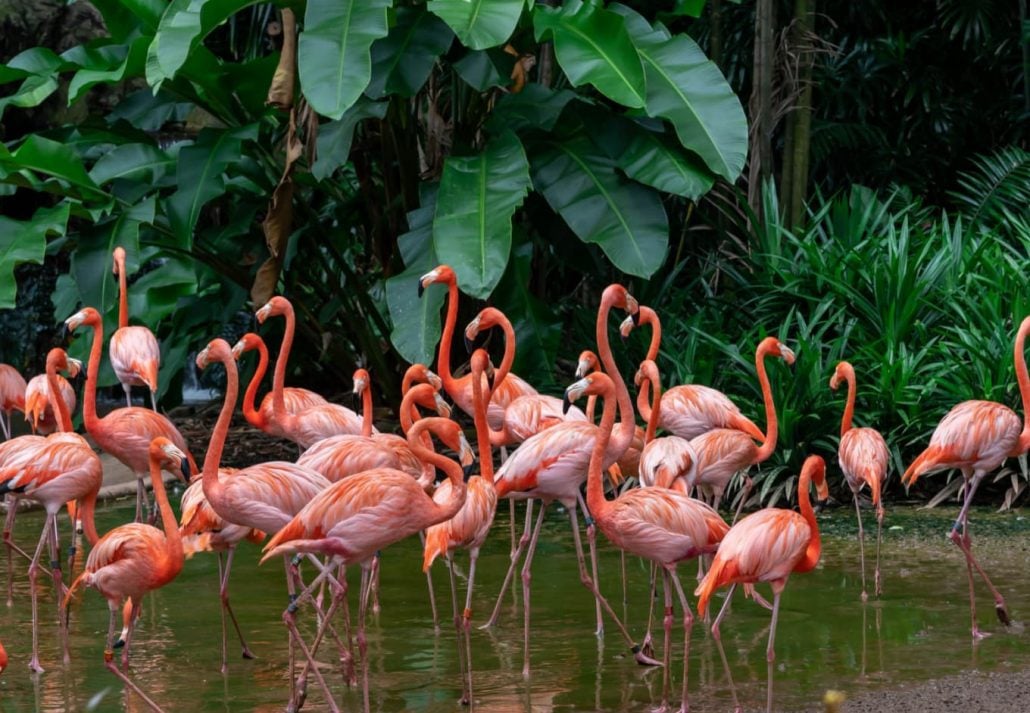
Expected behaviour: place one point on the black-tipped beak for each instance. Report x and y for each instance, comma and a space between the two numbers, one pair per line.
184, 468
469, 344
421, 289
469, 470
625, 336
66, 334
490, 381
636, 318
565, 404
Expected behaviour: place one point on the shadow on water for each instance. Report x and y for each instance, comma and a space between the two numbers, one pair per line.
826, 639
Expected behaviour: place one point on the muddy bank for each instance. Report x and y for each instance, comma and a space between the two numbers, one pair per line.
967, 692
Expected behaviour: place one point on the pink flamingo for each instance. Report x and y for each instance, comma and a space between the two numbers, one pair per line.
38, 410
51, 471
125, 433
690, 409
661, 525
355, 517
723, 452
470, 525
12, 396
132, 560
135, 355
3, 658
294, 399
629, 463
460, 390
767, 546
665, 462
863, 457
976, 437
552, 465
316, 422
262, 497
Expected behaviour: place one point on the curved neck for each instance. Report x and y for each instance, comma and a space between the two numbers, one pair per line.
451, 469
596, 502
486, 459
771, 429
443, 360
1024, 381
279, 379
123, 296
656, 407
849, 408
173, 541
212, 485
811, 558
623, 436
64, 419
87, 508
89, 396
254, 417
366, 411
509, 354
649, 316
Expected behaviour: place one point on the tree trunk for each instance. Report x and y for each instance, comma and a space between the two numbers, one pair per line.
761, 103
797, 142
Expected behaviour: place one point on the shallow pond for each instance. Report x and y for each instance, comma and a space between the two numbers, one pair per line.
826, 638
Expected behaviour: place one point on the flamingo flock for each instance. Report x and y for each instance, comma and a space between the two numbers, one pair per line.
355, 490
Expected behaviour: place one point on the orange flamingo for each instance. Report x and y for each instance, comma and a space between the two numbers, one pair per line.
262, 497
316, 422
132, 560
12, 396
688, 410
976, 437
38, 410
722, 452
629, 463
125, 433
863, 458
294, 399
767, 546
661, 525
665, 462
355, 517
135, 355
3, 658
552, 465
460, 389
469, 527
51, 471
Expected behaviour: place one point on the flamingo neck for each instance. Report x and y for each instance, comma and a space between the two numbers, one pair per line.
254, 417
366, 411
811, 558
279, 378
409, 412
173, 541
649, 316
1024, 383
89, 396
771, 428
483, 432
212, 485
64, 419
123, 296
443, 360
849, 408
509, 354
623, 436
596, 502
450, 507
656, 408
87, 508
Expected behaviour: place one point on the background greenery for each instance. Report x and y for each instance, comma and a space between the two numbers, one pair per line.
870, 203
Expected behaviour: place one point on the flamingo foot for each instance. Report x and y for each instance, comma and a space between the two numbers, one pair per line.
247, 653
1002, 612
865, 597
643, 659
663, 708
979, 635
647, 646
34, 665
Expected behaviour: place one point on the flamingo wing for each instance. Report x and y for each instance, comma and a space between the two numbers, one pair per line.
135, 356
864, 457
658, 524
469, 527
692, 409
554, 460
265, 496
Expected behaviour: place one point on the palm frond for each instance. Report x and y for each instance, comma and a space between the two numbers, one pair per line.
997, 183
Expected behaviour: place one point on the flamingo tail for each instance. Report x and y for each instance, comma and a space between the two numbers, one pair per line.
436, 546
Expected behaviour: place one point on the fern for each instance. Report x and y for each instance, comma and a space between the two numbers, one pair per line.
998, 186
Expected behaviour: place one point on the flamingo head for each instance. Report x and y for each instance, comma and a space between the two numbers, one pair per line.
87, 315
616, 295
171, 458
216, 350
421, 374
74, 366
361, 381
452, 436
472, 331
596, 383
442, 407
648, 371
275, 307
245, 344
814, 468
840, 374
119, 260
441, 273
586, 364
774, 347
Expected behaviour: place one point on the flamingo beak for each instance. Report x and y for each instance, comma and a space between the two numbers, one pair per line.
202, 358
435, 381
582, 367
442, 407
421, 289
184, 470
788, 354
627, 326
469, 344
237, 350
572, 393
264, 313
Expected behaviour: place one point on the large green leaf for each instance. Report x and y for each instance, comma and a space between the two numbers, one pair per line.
593, 47
334, 138
200, 175
688, 89
402, 60
142, 162
535, 107
38, 68
55, 161
109, 64
121, 16
25, 241
479, 23
482, 69
334, 51
478, 196
416, 321
157, 293
581, 184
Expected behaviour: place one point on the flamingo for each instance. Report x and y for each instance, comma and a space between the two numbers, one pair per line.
132, 560
469, 527
552, 465
722, 452
863, 457
767, 546
688, 410
3, 658
51, 471
12, 396
135, 355
125, 433
976, 437
294, 399
665, 462
658, 524
355, 517
38, 410
629, 462
262, 497
316, 422
460, 389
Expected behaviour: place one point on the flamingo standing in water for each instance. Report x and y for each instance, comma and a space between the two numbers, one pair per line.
39, 410
294, 399
355, 517
51, 471
12, 396
313, 423
132, 560
863, 458
469, 527
125, 433
661, 525
135, 355
767, 546
976, 437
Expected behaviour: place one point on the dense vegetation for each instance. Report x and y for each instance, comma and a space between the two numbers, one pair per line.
543, 149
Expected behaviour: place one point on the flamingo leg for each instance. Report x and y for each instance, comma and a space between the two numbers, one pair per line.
33, 573
748, 484
362, 640
523, 543
298, 691
128, 394
458, 625
688, 625
55, 571
592, 542
12, 511
667, 644
722, 652
877, 580
109, 658
647, 645
291, 625
861, 546
527, 578
374, 585
223, 593
770, 651
339, 596
467, 622
429, 584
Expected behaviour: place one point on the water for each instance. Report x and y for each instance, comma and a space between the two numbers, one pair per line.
826, 637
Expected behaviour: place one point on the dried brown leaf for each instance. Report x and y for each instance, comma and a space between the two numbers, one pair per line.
281, 91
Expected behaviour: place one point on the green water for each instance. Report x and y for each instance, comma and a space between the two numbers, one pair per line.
826, 637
